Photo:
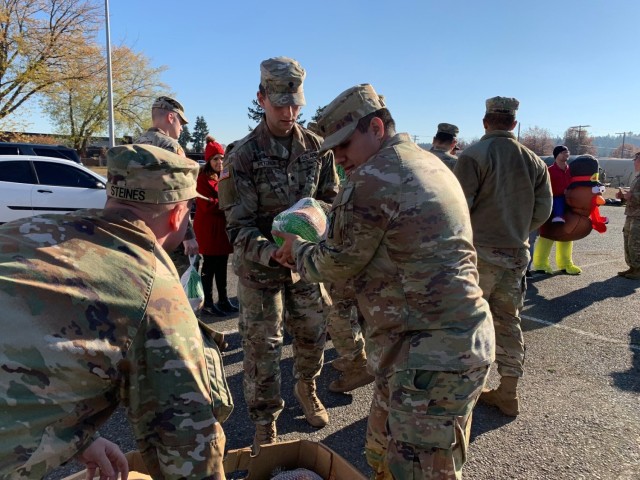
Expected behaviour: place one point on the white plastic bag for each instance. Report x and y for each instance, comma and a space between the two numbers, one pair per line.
193, 285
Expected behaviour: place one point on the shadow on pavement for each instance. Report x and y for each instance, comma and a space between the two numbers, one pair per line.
558, 308
630, 380
351, 439
486, 419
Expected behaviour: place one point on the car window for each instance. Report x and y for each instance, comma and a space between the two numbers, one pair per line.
50, 152
18, 171
11, 150
56, 174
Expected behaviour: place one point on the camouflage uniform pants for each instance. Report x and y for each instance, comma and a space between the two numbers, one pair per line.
631, 236
263, 313
344, 322
420, 422
503, 285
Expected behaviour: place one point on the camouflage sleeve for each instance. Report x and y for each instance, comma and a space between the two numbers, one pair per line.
634, 196
239, 199
169, 395
356, 226
329, 182
189, 234
543, 197
468, 173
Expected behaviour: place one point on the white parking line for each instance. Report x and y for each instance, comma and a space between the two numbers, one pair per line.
595, 336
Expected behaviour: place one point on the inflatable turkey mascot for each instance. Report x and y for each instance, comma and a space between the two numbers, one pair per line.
583, 197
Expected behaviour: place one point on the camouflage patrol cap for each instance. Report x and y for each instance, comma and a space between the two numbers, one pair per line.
148, 174
340, 118
507, 105
448, 128
313, 126
282, 78
171, 105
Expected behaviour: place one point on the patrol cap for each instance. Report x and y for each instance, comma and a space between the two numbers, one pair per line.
148, 174
172, 105
313, 126
506, 105
340, 118
448, 128
282, 78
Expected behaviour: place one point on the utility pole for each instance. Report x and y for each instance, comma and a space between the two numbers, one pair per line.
624, 136
112, 139
579, 128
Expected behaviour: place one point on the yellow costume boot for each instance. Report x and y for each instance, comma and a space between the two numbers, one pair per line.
564, 254
541, 253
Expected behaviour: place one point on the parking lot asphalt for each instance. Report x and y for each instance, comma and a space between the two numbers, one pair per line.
580, 397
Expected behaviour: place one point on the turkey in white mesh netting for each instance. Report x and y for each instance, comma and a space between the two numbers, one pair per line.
305, 218
297, 474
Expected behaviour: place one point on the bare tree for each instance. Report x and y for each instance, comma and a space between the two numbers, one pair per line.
628, 152
38, 38
80, 107
579, 142
538, 140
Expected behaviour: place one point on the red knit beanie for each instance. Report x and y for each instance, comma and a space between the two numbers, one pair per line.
213, 148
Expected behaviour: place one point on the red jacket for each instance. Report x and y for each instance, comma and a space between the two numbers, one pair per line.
209, 223
560, 180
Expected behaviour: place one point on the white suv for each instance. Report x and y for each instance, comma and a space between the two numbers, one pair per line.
32, 185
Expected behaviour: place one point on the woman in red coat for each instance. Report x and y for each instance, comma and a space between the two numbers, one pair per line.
211, 234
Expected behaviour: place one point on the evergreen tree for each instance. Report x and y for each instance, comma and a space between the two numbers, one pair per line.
200, 131
185, 138
316, 115
256, 112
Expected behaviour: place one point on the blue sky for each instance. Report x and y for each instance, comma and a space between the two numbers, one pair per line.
568, 62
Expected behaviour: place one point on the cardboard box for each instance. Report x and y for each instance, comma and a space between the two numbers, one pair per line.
288, 456
285, 455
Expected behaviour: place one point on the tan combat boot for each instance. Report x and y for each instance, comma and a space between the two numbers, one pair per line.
505, 397
351, 379
265, 434
312, 407
342, 364
623, 273
634, 274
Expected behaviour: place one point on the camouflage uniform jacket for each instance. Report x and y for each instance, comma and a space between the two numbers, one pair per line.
95, 315
401, 228
507, 188
259, 180
157, 138
448, 159
633, 205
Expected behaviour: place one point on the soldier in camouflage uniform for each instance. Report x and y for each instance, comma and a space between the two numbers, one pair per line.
345, 326
631, 230
508, 190
400, 229
444, 143
95, 316
265, 173
167, 115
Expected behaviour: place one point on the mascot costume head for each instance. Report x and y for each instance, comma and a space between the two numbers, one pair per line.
583, 197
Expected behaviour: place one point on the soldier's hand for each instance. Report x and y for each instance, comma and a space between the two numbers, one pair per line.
106, 456
190, 247
284, 255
